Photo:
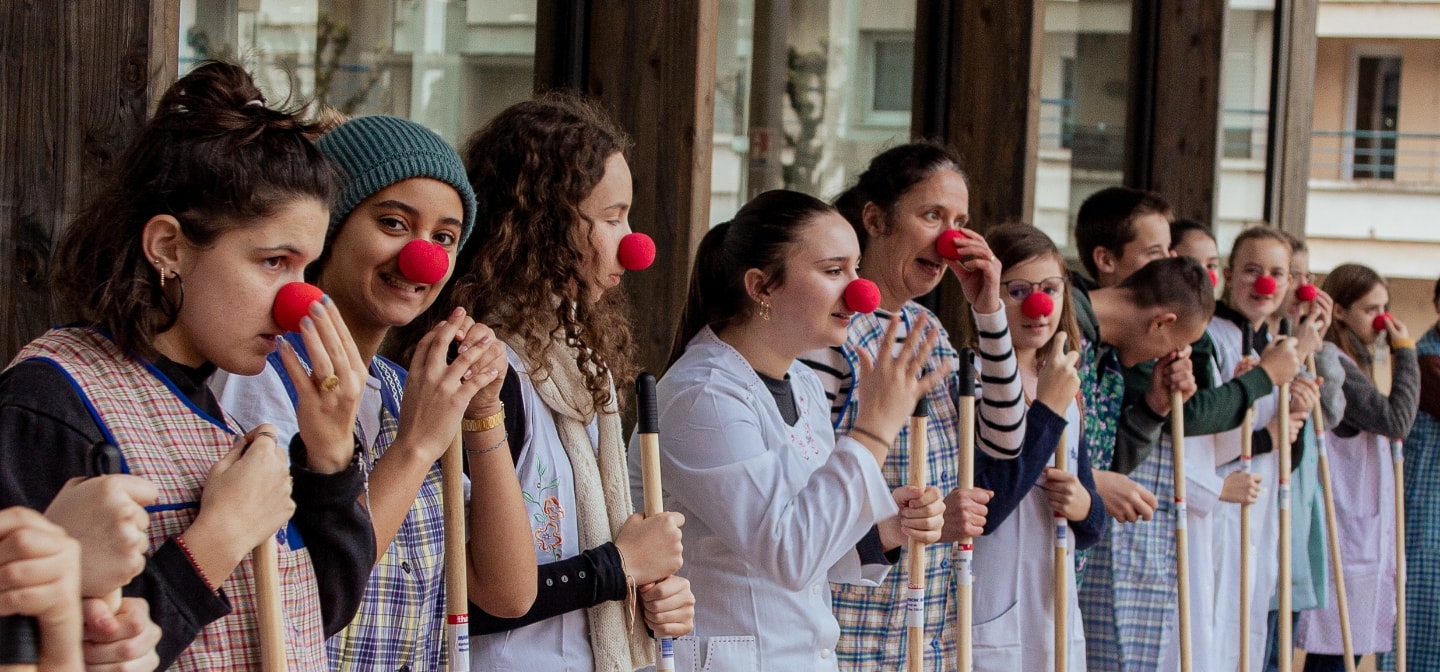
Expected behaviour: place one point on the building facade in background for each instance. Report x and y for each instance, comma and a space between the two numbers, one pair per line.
807, 90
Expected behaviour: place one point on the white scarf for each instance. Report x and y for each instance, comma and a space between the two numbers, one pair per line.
602, 493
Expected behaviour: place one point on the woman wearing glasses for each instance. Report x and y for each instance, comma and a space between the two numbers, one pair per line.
1015, 603
901, 204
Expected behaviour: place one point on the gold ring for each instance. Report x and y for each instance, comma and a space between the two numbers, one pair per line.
331, 382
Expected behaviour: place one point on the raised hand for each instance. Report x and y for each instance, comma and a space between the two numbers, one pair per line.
438, 393
1059, 379
890, 384
106, 514
978, 271
329, 395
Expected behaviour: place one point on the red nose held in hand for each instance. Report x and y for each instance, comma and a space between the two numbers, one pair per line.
1038, 305
293, 302
1265, 285
423, 262
637, 252
1381, 321
945, 244
862, 296
1306, 292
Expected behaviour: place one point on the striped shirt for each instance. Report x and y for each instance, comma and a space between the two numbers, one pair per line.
872, 619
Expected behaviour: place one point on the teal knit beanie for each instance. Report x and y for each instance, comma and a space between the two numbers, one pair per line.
376, 152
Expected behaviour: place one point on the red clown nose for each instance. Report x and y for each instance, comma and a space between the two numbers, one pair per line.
862, 296
637, 252
1214, 279
1306, 292
423, 262
1380, 322
1038, 305
1264, 285
293, 302
945, 244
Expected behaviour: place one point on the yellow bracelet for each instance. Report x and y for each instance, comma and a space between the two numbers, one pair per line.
483, 424
1398, 343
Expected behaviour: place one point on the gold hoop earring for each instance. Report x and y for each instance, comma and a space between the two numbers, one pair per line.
765, 310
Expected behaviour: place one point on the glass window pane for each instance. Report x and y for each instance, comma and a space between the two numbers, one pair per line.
448, 65
1244, 118
839, 93
1084, 93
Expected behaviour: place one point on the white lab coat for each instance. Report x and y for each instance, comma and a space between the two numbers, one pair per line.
772, 512
1264, 526
1014, 597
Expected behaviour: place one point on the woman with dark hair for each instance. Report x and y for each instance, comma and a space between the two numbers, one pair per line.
777, 505
553, 194
1015, 600
906, 198
405, 190
1359, 450
219, 203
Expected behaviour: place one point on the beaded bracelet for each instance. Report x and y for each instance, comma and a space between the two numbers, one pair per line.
482, 451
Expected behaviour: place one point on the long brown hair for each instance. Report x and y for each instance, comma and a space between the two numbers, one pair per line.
1347, 284
523, 275
215, 158
1015, 243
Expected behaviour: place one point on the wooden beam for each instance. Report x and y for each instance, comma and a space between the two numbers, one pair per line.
81, 79
652, 64
1173, 134
989, 60
1292, 106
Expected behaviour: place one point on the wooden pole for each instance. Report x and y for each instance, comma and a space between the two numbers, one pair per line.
457, 559
1285, 643
1332, 532
1061, 603
1247, 428
265, 562
649, 430
1247, 431
1397, 454
965, 580
1182, 549
915, 592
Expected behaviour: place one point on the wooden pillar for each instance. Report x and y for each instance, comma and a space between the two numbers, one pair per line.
1292, 106
988, 58
80, 79
652, 64
1173, 129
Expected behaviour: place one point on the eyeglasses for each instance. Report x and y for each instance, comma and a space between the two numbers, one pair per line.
1017, 290
1250, 273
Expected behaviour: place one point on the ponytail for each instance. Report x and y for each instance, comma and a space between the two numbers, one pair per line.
759, 237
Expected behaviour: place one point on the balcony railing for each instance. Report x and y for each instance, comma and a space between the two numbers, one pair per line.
1410, 158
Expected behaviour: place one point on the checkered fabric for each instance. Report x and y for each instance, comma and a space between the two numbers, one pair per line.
401, 621
872, 619
165, 439
1422, 533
